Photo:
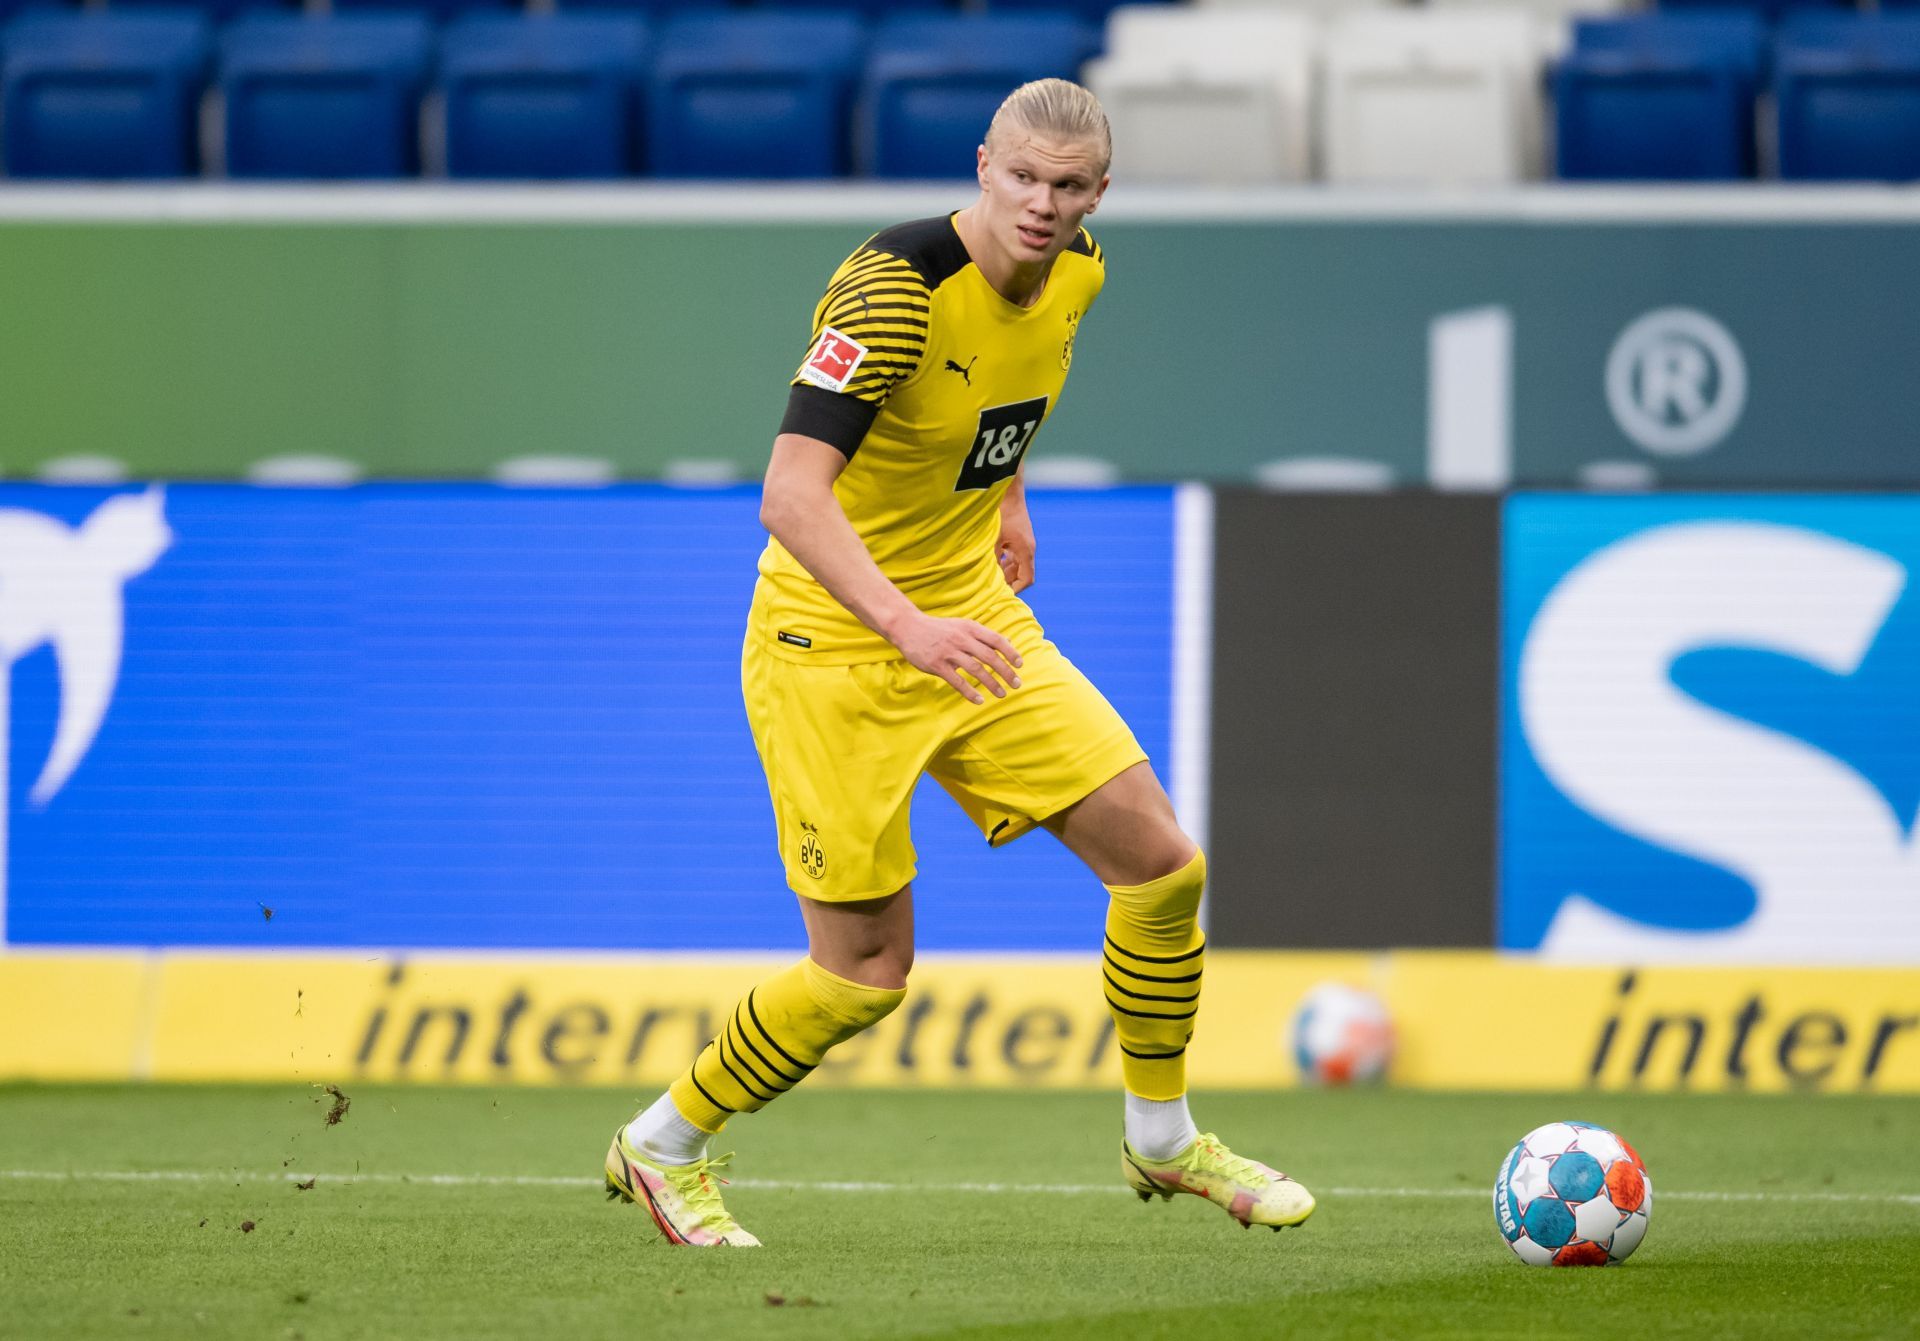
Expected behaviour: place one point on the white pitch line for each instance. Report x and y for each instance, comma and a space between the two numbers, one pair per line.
783, 1185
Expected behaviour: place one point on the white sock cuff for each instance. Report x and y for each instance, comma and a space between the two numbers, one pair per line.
1159, 1128
659, 1132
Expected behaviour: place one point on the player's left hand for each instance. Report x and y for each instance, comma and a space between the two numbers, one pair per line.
1015, 548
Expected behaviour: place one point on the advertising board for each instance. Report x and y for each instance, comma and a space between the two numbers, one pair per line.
467, 716
1467, 1020
1711, 737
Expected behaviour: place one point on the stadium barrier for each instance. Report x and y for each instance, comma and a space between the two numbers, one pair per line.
472, 717
1536, 337
500, 727
1468, 1020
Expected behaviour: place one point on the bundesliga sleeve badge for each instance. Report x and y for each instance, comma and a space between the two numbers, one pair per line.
834, 360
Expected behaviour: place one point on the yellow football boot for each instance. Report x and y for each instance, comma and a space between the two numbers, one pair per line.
683, 1199
1249, 1191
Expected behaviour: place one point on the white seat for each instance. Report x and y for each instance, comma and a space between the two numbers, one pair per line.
1315, 8
1433, 97
1222, 98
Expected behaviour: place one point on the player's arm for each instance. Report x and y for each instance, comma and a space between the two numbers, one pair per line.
1016, 533
798, 508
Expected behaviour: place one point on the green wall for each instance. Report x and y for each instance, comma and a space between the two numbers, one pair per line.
442, 348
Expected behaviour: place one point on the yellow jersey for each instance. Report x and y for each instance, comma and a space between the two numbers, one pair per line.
933, 385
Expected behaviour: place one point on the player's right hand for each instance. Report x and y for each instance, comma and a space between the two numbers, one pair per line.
962, 653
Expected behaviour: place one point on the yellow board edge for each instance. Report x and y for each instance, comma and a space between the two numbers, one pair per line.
1467, 1020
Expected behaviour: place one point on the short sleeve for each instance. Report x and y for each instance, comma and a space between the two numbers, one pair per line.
870, 330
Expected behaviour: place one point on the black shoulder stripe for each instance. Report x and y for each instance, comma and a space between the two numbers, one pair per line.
930, 246
869, 268
1084, 244
855, 307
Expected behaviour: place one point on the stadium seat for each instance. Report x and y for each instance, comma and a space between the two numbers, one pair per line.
1432, 96
324, 98
1211, 96
871, 10
647, 9
933, 82
214, 11
94, 95
1094, 12
1553, 13
1313, 8
440, 11
542, 96
1662, 97
1847, 94
748, 94
1768, 11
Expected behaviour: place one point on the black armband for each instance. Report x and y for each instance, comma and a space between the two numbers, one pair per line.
839, 421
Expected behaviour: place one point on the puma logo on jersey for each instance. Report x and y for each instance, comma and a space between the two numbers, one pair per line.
966, 372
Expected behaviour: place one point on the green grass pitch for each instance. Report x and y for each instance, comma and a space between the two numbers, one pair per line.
1773, 1217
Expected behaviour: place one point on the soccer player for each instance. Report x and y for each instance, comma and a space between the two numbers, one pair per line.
887, 638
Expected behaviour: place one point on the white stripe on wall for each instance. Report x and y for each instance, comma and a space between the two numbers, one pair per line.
1192, 659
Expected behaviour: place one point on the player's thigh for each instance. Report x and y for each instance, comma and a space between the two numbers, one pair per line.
842, 753
1050, 743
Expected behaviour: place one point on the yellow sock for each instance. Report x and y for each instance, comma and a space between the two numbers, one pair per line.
1153, 961
775, 1036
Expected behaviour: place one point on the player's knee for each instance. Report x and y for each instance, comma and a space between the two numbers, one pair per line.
1172, 852
1160, 852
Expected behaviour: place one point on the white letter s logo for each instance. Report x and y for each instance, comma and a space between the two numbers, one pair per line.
1829, 860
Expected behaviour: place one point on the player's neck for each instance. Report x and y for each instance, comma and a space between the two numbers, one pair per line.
1019, 282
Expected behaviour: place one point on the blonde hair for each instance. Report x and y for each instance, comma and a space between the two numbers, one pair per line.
1057, 108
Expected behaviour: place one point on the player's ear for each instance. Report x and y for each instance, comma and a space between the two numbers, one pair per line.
980, 165
1100, 191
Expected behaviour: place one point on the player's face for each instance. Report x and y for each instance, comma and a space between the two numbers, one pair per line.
1035, 191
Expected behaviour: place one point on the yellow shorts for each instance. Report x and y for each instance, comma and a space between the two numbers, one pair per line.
843, 747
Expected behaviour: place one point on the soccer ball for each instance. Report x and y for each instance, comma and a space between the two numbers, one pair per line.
1572, 1194
1340, 1035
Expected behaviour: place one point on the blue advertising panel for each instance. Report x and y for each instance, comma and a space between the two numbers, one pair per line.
1711, 719
465, 716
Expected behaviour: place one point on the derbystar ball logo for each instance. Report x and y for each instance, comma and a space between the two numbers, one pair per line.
834, 360
1503, 1204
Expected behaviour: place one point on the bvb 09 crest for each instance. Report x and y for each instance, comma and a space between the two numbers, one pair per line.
813, 858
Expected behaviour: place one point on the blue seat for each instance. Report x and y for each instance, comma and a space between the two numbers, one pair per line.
1666, 97
754, 94
871, 10
103, 95
932, 83
1847, 93
1770, 11
215, 11
543, 96
1088, 11
657, 10
440, 11
324, 98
